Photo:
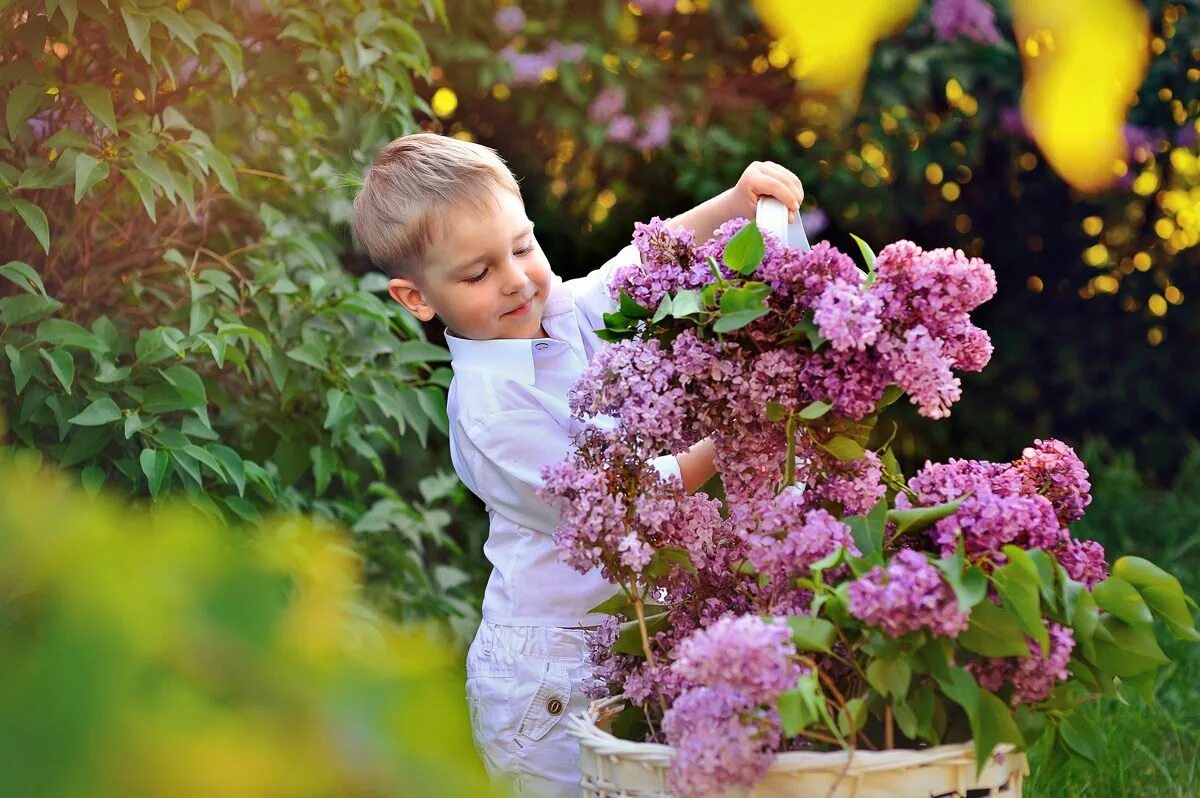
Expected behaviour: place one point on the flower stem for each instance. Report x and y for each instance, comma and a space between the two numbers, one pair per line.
889, 733
789, 465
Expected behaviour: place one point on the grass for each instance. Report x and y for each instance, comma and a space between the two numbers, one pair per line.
1149, 750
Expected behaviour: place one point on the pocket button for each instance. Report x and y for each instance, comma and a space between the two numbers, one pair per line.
554, 706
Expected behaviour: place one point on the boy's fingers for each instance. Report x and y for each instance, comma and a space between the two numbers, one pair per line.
789, 177
770, 186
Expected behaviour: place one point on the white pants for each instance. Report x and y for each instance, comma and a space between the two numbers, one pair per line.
522, 683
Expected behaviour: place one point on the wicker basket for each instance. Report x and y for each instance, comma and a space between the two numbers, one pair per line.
624, 769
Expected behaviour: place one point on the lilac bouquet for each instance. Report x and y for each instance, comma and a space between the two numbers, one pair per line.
829, 601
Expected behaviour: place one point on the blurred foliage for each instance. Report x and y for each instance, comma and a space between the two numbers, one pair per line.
176, 316
160, 653
1092, 322
1147, 750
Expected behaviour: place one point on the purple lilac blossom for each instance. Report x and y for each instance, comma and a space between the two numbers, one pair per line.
659, 7
997, 510
656, 128
1032, 677
910, 595
1052, 468
970, 19
848, 316
1083, 561
509, 19
746, 653
721, 739
622, 128
606, 104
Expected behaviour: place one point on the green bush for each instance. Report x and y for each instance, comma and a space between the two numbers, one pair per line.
176, 316
160, 653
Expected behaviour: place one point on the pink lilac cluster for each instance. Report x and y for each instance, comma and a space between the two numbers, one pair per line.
969, 19
509, 20
528, 67
910, 595
1027, 503
654, 7
784, 538
1052, 468
721, 739
616, 510
997, 509
608, 108
1033, 677
744, 653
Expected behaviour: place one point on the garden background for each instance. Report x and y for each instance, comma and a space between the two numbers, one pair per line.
186, 317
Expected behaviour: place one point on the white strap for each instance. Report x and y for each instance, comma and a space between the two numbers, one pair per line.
772, 216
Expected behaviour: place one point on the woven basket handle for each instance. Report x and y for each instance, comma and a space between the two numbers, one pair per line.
772, 216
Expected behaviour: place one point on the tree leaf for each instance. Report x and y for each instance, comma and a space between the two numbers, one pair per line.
811, 634
98, 100
745, 250
737, 320
155, 465
992, 724
26, 308
815, 410
1161, 591
35, 219
23, 276
890, 677
22, 102
138, 27
917, 519
686, 303
101, 411
62, 364
1082, 737
231, 461
1122, 600
845, 449
339, 406
187, 384
994, 632
1020, 588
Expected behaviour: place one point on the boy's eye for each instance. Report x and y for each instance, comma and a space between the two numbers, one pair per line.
478, 277
524, 250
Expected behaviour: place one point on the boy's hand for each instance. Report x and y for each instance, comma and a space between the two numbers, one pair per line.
769, 179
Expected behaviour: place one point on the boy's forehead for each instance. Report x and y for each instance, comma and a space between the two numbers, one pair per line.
462, 232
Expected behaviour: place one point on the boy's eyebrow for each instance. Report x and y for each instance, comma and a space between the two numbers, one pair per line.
524, 232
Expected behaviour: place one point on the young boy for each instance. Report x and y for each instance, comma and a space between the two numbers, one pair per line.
446, 220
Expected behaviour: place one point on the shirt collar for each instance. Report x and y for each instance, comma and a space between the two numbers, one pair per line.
511, 357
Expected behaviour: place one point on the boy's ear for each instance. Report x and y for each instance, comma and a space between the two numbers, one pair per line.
408, 294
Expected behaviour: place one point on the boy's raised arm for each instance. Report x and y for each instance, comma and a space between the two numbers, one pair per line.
761, 179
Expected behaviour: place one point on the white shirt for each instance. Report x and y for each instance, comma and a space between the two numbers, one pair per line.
509, 417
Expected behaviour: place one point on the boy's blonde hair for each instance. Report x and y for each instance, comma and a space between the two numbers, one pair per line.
407, 192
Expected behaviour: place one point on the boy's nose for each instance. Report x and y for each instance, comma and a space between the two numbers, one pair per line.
515, 278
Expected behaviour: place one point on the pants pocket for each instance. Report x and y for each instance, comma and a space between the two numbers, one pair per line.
489, 701
549, 703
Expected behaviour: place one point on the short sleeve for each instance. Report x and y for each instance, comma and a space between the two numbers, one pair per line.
592, 297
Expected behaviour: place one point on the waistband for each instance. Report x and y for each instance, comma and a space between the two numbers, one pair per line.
534, 641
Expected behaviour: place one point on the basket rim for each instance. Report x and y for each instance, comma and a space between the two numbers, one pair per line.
582, 726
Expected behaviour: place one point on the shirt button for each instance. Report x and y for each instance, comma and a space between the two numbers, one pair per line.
541, 347
554, 706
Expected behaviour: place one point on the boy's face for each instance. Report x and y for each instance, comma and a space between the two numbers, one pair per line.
485, 278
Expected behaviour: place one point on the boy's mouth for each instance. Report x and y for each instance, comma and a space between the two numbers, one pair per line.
521, 309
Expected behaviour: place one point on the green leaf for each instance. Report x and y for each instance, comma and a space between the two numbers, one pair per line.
433, 402
970, 587
994, 632
60, 332
662, 560
845, 449
796, 711
890, 677
22, 102
339, 406
243, 509
21, 361
23, 276
992, 724
735, 321
187, 384
101, 411
92, 478
1082, 736
815, 410
62, 364
98, 100
1122, 600
133, 423
616, 604
1133, 651
868, 530
155, 465
629, 640
1019, 586
960, 687
178, 26
1081, 610
88, 172
323, 463
232, 463
1161, 591
686, 303
852, 716
419, 352
35, 219
867, 253
26, 308
776, 411
139, 31
811, 634
145, 190
663, 311
745, 250
917, 519
631, 309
